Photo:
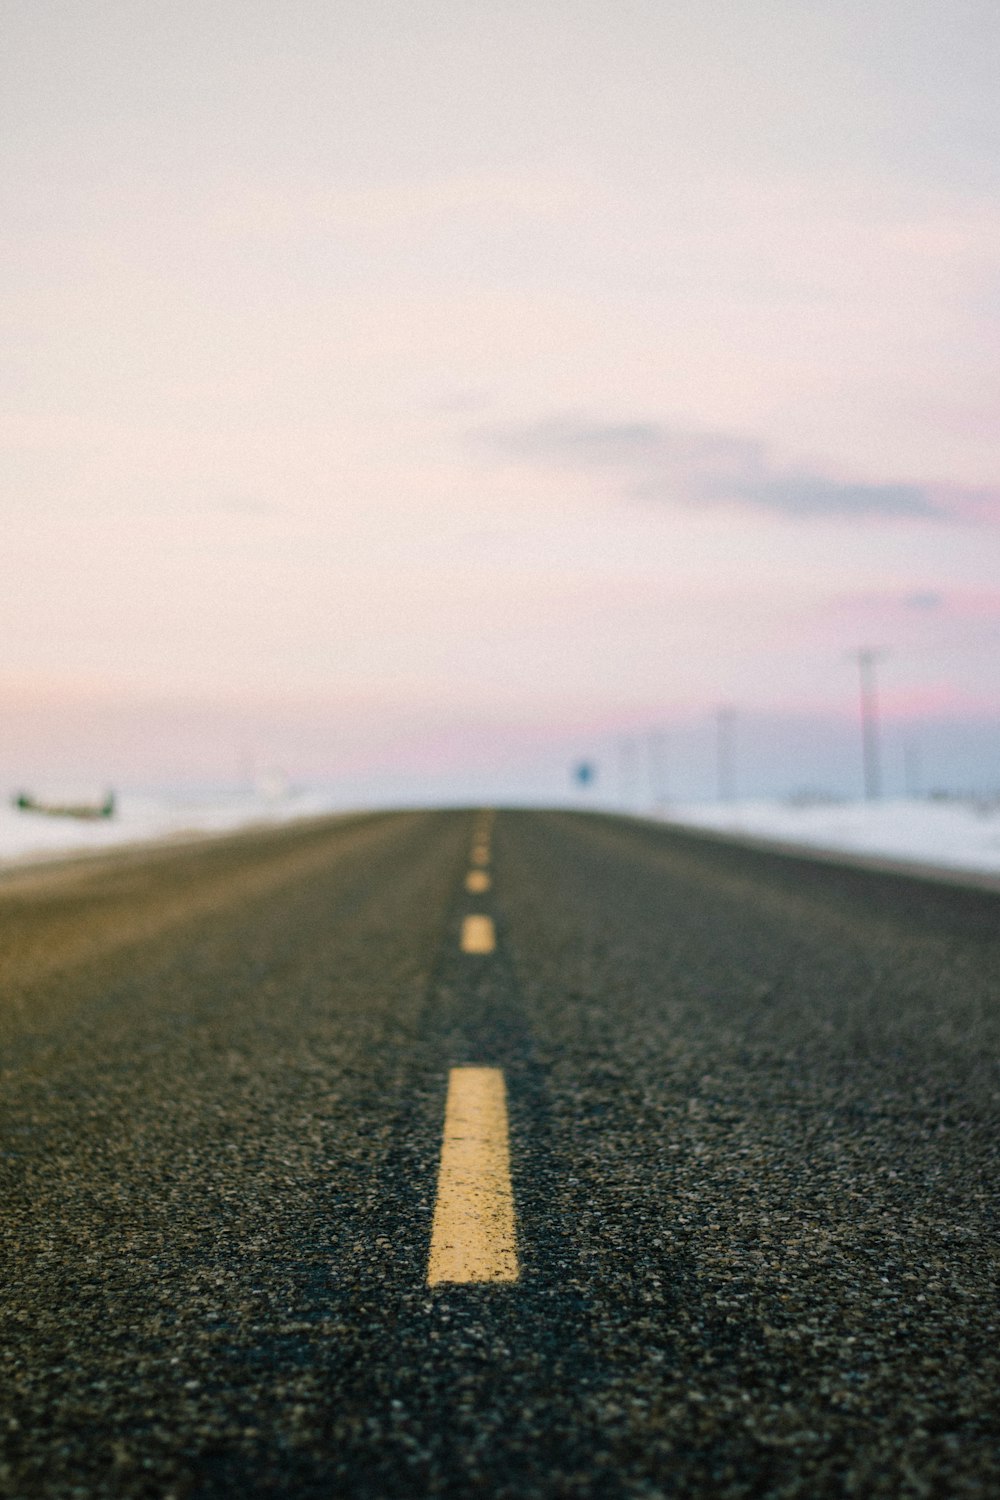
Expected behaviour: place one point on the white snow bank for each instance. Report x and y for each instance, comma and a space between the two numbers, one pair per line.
28, 835
954, 835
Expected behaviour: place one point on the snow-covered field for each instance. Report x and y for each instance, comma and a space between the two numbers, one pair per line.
29, 836
952, 834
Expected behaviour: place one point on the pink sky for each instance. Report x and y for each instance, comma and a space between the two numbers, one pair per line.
425, 389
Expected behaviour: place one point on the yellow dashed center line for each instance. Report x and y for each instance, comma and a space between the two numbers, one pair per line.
477, 881
478, 934
474, 1235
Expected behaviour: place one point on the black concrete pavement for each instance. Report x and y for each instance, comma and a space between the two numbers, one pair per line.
754, 1104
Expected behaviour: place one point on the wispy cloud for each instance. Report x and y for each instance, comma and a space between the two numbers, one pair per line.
814, 495
925, 601
651, 460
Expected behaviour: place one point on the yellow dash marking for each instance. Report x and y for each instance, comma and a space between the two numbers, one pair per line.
474, 1237
478, 935
477, 881
481, 854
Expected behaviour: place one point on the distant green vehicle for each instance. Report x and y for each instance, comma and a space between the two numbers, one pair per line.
58, 808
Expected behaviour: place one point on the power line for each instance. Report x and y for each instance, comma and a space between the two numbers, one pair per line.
657, 746
725, 756
870, 759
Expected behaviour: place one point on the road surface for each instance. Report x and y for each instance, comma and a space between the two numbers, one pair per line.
705, 1138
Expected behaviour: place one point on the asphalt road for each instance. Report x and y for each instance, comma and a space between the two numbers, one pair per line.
753, 1108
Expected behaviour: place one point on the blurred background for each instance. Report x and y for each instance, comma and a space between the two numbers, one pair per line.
546, 402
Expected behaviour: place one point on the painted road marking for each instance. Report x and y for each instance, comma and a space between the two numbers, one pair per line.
478, 934
481, 854
474, 1236
477, 881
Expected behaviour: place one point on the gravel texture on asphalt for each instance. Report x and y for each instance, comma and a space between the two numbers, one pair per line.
754, 1105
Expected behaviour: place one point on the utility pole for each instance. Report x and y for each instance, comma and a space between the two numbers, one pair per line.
725, 753
869, 723
626, 766
911, 768
657, 766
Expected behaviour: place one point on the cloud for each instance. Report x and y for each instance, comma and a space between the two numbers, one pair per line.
924, 600
651, 453
651, 460
813, 495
